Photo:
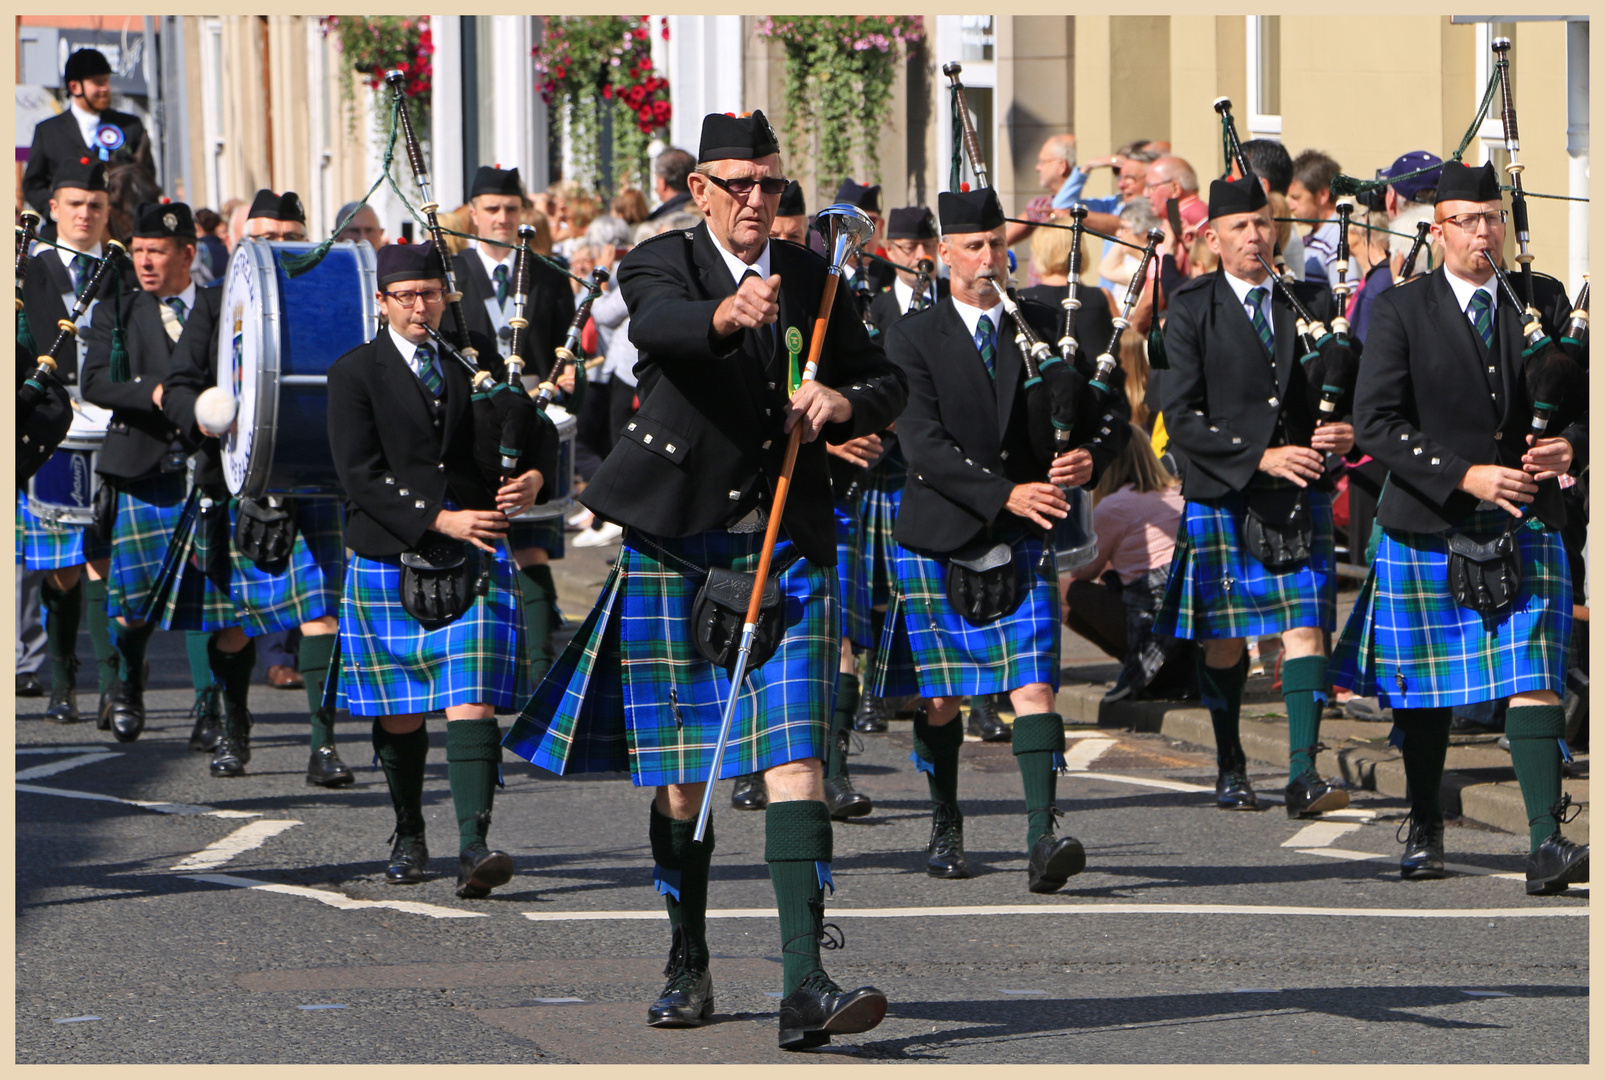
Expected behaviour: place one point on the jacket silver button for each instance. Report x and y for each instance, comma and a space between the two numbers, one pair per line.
441, 467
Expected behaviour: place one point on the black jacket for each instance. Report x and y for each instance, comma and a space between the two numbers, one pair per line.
59, 140
707, 444
550, 308
397, 456
1095, 326
1223, 400
141, 433
680, 200
885, 309
1427, 407
46, 281
966, 437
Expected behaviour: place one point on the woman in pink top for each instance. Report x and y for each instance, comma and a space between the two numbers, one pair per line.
1112, 601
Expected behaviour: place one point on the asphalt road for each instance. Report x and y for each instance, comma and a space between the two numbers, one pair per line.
164, 916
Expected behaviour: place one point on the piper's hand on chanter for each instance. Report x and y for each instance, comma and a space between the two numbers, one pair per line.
1333, 438
1038, 502
566, 382
1503, 487
756, 303
1547, 459
814, 405
518, 495
474, 526
1071, 469
863, 451
1299, 464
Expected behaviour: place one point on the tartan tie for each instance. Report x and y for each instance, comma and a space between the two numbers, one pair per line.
173, 317
1256, 297
429, 371
1482, 316
501, 285
80, 274
986, 341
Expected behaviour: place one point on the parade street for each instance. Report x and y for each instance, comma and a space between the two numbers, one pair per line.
167, 915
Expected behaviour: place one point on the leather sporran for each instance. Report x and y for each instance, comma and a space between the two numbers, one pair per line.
263, 532
982, 584
1278, 529
719, 611
105, 511
1485, 576
439, 579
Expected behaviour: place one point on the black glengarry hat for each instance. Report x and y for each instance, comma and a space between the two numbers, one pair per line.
1480, 184
867, 199
740, 137
286, 207
158, 220
85, 64
969, 211
409, 262
492, 181
791, 201
1243, 195
910, 223
83, 174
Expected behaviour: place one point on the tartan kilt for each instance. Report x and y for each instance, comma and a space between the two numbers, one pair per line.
43, 545
391, 664
148, 512
853, 580
631, 691
270, 597
877, 514
1411, 645
1217, 589
953, 658
546, 534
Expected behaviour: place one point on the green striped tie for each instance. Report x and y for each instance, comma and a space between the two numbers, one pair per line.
1480, 310
1256, 297
986, 341
501, 285
429, 372
80, 274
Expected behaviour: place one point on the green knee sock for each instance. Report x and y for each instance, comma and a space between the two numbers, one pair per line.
100, 632
1304, 691
936, 754
1038, 741
200, 660
403, 758
1535, 732
842, 722
1426, 743
539, 592
63, 614
1222, 691
312, 657
797, 847
681, 876
232, 670
473, 765
130, 643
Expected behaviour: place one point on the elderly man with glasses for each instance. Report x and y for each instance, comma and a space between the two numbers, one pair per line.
722, 318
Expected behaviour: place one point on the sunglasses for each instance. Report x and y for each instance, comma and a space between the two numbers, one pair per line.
742, 186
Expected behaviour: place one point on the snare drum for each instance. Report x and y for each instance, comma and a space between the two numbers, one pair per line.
278, 338
1074, 543
62, 492
562, 485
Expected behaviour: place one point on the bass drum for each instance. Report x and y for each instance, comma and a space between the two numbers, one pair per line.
562, 486
278, 338
63, 490
1074, 543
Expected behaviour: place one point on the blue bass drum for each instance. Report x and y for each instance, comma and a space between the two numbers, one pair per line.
1074, 543
62, 492
561, 486
278, 338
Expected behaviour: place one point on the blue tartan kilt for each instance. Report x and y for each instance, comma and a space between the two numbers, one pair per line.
953, 658
1217, 589
148, 513
305, 585
546, 534
46, 545
631, 691
854, 582
392, 665
1411, 645
877, 513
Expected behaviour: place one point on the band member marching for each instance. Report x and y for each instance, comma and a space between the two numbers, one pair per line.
723, 319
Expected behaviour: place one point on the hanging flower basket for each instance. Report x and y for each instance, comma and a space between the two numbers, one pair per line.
373, 45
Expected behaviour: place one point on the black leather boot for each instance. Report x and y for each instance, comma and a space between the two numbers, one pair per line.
819, 1008
1558, 862
872, 715
63, 707
750, 792
984, 722
409, 858
945, 853
325, 769
1423, 850
687, 998
481, 869
234, 748
208, 713
843, 800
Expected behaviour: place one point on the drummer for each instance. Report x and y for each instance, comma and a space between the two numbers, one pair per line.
276, 217
485, 276
55, 279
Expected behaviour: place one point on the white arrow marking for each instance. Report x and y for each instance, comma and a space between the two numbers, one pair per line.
1079, 758
335, 900
245, 838
1319, 834
182, 809
39, 772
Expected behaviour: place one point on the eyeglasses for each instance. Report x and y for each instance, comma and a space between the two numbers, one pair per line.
407, 298
1468, 222
742, 186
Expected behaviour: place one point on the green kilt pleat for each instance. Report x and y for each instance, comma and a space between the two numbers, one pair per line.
305, 585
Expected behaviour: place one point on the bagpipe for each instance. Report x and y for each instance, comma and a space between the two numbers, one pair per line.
1556, 384
1330, 364
44, 407
33, 389
1407, 269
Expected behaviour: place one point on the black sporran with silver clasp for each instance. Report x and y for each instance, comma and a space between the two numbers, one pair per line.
719, 611
1278, 529
265, 531
440, 578
1485, 576
105, 510
982, 584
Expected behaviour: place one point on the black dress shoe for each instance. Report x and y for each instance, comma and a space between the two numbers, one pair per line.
1423, 852
327, 770
750, 792
1558, 862
985, 722
28, 684
63, 707
1309, 795
208, 713
1234, 792
846, 801
408, 858
945, 853
234, 748
1054, 860
819, 1008
127, 712
479, 870
872, 715
687, 999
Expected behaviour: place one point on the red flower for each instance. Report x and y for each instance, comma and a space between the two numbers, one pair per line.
646, 63
402, 67
645, 115
640, 35
607, 92
660, 111
634, 96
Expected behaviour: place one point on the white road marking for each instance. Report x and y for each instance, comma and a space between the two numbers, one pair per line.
1319, 834
309, 1008
182, 809
245, 838
1079, 757
1147, 781
1369, 856
1088, 909
335, 900
74, 1019
39, 772
62, 749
